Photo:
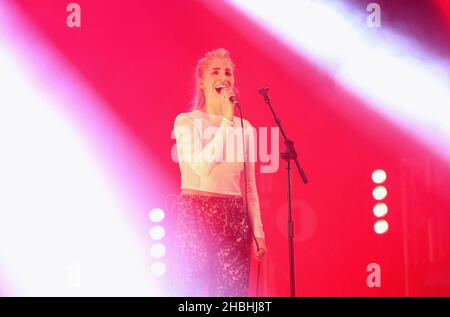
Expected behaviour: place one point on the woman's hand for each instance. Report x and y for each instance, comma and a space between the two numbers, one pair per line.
226, 104
262, 251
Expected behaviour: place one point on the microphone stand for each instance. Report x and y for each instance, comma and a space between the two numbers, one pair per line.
238, 105
288, 155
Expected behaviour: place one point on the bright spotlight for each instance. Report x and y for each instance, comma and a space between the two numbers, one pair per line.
64, 154
379, 176
156, 214
158, 250
379, 192
370, 64
157, 232
380, 210
158, 268
381, 226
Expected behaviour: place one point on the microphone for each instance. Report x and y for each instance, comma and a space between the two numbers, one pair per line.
232, 99
263, 91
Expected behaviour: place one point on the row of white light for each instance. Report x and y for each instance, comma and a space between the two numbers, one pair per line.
158, 249
379, 193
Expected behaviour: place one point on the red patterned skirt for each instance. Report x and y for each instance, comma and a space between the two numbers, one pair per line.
212, 246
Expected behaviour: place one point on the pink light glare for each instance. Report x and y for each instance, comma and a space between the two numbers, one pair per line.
6, 290
108, 161
324, 133
417, 105
443, 6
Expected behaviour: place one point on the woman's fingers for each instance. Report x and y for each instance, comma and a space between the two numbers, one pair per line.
260, 248
259, 254
227, 93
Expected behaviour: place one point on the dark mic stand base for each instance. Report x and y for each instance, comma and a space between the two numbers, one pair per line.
287, 156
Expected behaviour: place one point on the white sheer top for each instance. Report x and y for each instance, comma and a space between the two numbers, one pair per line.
211, 155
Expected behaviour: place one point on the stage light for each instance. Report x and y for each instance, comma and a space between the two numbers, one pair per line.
53, 127
156, 214
390, 72
379, 176
158, 250
379, 192
380, 210
381, 226
157, 232
158, 268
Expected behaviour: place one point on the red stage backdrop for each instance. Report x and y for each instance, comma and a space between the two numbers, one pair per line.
139, 58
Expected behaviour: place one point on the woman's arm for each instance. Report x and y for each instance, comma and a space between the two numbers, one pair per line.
254, 212
253, 201
259, 246
189, 144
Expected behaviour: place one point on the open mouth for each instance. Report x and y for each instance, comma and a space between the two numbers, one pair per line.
220, 88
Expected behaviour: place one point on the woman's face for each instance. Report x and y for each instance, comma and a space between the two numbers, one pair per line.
218, 75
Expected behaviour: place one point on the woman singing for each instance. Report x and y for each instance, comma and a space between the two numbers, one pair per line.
214, 225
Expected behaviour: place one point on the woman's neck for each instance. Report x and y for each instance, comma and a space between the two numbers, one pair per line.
212, 108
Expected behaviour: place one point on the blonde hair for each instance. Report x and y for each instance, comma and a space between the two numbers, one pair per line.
199, 96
